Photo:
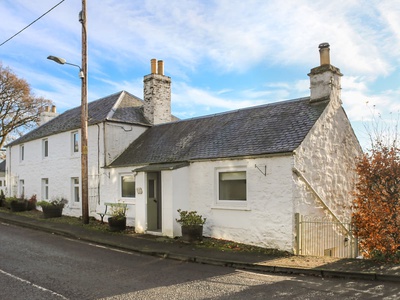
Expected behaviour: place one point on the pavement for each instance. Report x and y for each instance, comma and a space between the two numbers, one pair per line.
252, 261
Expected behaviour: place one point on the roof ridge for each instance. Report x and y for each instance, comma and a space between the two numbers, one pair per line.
115, 106
238, 110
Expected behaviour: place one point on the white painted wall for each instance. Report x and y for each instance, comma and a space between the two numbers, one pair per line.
62, 164
327, 158
265, 220
175, 195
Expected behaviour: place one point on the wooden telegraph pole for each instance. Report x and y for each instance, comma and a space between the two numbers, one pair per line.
84, 120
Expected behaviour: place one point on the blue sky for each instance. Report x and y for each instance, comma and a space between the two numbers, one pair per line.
221, 54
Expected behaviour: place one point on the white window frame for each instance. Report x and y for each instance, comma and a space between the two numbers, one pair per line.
230, 203
75, 185
22, 153
45, 189
21, 188
45, 148
121, 175
75, 150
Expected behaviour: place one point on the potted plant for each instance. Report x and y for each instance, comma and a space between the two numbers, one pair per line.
2, 198
18, 204
117, 221
32, 203
191, 225
54, 208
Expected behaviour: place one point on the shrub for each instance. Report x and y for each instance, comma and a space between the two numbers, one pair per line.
190, 218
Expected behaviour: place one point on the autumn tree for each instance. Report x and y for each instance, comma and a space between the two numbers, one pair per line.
20, 108
376, 207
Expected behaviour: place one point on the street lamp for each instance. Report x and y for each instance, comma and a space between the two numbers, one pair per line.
62, 61
84, 114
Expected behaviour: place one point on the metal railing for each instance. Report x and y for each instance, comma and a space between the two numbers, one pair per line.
322, 236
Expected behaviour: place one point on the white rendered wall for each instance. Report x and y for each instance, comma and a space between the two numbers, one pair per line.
175, 195
265, 220
62, 164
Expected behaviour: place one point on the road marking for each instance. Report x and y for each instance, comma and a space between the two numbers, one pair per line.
32, 284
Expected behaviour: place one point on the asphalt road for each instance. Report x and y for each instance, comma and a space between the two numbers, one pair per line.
38, 265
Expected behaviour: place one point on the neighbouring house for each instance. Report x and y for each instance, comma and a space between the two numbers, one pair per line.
248, 171
3, 176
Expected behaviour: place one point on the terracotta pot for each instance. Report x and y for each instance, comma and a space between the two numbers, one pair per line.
117, 224
52, 211
192, 233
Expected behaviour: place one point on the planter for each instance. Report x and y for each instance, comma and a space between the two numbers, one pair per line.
52, 211
192, 233
17, 206
31, 206
117, 224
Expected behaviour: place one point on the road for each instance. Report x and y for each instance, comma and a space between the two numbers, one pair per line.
38, 265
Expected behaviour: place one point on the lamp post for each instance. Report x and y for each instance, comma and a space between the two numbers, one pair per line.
84, 114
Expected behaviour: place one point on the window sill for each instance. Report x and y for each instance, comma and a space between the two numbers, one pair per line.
224, 207
130, 201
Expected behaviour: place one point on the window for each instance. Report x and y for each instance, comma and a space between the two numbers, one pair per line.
75, 190
45, 147
45, 189
21, 188
21, 153
128, 186
75, 142
232, 186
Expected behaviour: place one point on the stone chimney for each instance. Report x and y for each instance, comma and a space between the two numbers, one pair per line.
48, 114
325, 79
157, 94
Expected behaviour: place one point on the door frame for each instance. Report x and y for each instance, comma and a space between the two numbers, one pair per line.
154, 194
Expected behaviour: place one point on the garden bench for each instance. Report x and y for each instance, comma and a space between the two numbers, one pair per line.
111, 205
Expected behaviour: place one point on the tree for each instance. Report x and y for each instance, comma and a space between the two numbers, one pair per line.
376, 214
20, 108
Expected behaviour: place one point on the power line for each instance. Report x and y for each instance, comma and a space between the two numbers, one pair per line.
32, 23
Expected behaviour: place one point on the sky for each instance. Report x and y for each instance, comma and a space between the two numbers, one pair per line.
220, 54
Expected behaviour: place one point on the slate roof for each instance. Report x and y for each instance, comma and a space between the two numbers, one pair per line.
272, 128
119, 107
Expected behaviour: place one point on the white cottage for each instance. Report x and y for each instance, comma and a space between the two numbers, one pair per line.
249, 171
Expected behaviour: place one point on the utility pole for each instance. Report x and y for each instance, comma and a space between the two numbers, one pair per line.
84, 120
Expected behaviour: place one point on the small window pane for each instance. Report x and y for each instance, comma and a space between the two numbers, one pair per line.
151, 188
75, 142
128, 186
232, 186
75, 190
45, 148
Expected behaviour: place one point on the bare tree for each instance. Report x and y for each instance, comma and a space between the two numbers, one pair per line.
20, 108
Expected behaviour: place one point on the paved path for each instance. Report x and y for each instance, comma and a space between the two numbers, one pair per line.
156, 246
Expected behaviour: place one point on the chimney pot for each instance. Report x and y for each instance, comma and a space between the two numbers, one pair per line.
53, 109
324, 54
160, 67
153, 66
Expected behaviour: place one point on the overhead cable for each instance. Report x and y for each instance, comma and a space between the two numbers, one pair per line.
32, 23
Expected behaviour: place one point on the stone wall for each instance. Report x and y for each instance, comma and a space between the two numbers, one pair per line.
157, 98
327, 159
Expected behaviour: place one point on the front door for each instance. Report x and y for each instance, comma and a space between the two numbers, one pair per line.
153, 201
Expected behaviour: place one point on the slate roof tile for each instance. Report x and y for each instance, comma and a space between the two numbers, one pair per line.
128, 110
272, 128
